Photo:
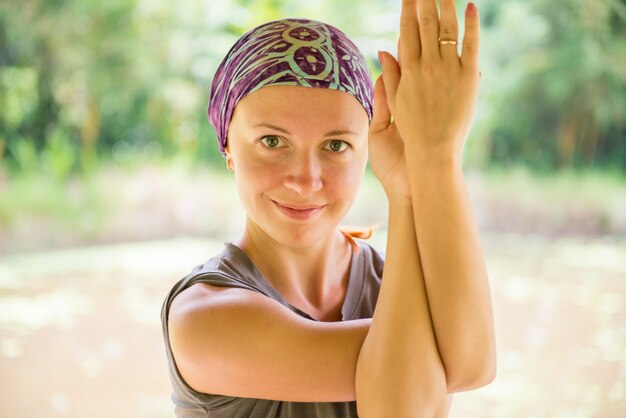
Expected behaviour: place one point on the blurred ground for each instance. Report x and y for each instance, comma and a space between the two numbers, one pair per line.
80, 333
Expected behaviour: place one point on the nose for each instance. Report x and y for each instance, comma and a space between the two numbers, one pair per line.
304, 175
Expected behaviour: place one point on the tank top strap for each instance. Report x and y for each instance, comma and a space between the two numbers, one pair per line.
362, 232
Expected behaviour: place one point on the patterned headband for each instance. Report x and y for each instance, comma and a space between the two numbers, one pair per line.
297, 52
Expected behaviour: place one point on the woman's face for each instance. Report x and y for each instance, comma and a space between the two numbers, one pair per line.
298, 147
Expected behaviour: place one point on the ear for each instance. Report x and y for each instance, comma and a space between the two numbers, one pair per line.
230, 165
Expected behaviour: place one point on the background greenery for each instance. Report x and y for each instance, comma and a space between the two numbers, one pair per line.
84, 82
91, 93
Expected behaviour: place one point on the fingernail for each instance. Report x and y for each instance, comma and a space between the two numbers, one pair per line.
380, 57
471, 9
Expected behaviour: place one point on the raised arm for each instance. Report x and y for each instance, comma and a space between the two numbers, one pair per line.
399, 372
432, 94
456, 278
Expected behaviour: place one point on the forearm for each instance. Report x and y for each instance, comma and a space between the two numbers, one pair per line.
454, 269
399, 372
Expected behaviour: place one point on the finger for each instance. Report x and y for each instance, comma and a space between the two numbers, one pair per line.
409, 31
471, 38
382, 115
391, 78
448, 30
428, 28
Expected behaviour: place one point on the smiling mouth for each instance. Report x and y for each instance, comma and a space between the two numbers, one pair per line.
304, 207
302, 212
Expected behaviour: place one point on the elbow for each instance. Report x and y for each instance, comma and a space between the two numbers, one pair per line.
476, 377
487, 376
472, 368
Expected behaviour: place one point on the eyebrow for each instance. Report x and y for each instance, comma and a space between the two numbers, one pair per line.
331, 133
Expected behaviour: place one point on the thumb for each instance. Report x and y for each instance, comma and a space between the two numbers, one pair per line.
382, 116
391, 77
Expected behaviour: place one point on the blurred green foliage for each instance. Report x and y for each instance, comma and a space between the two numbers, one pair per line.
562, 101
84, 82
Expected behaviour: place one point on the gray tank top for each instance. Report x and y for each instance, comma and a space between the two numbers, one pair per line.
233, 268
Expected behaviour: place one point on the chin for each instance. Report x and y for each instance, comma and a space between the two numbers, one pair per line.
294, 234
299, 236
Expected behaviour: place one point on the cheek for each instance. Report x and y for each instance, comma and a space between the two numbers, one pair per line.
343, 182
254, 177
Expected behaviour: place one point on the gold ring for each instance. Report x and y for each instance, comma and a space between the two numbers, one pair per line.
447, 41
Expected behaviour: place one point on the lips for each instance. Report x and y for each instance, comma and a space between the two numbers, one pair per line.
300, 207
298, 211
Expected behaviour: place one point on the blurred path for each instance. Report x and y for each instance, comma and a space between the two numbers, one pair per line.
560, 312
80, 331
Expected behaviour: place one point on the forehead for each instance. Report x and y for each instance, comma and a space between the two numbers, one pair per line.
301, 103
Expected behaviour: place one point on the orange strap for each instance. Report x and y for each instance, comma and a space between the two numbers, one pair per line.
362, 232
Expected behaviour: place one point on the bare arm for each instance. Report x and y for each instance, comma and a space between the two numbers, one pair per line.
399, 372
237, 342
455, 272
432, 93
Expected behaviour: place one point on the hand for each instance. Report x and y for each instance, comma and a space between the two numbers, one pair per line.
431, 91
386, 148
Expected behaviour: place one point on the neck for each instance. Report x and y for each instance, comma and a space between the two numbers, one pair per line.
311, 275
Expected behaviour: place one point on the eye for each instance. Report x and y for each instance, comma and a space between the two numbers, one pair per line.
337, 146
272, 141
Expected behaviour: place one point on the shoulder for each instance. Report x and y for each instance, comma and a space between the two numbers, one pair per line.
202, 297
227, 341
230, 268
366, 280
372, 258
222, 271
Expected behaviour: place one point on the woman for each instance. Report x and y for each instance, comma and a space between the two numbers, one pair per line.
281, 323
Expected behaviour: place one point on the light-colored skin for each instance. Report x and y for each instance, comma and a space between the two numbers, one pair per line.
432, 94
400, 362
300, 258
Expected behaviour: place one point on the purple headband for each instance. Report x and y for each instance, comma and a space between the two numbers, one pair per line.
297, 52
